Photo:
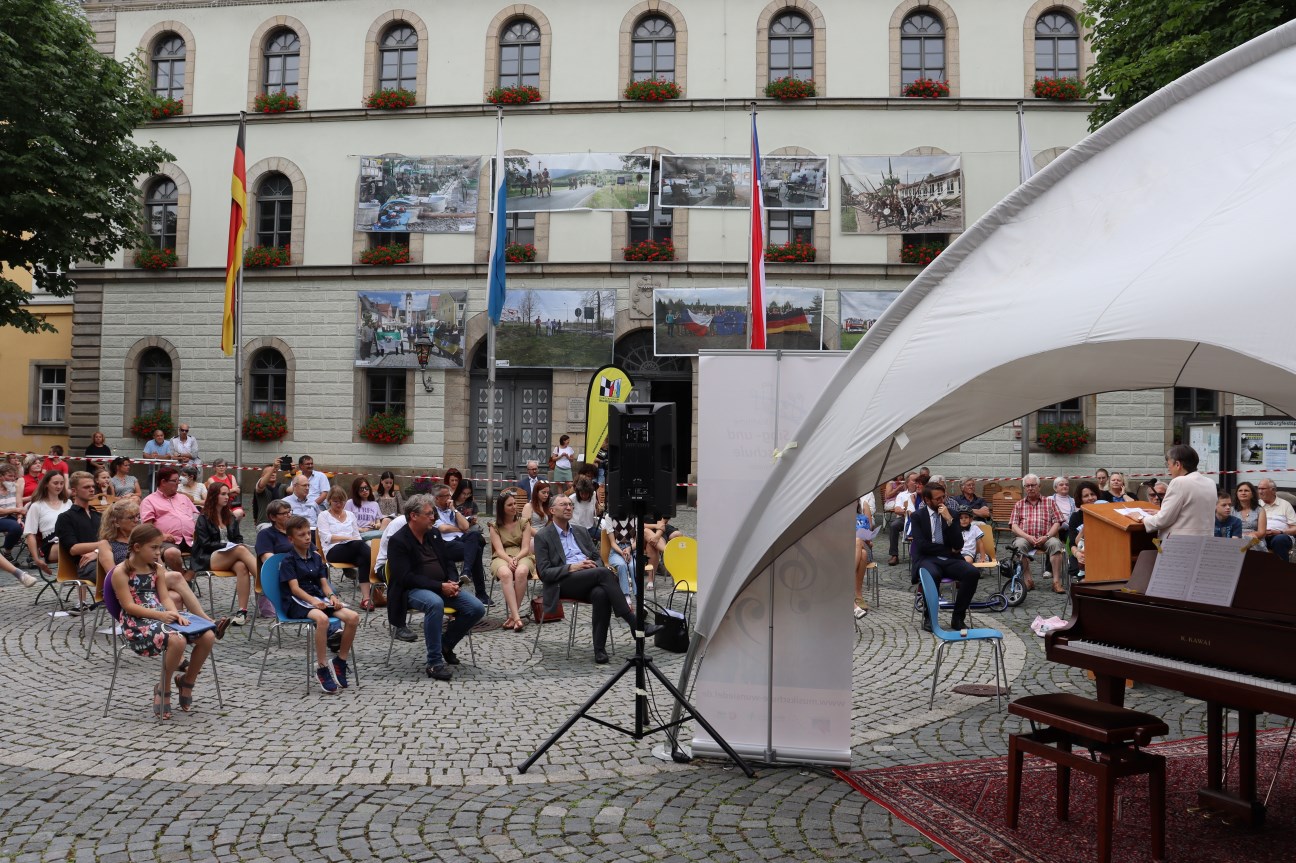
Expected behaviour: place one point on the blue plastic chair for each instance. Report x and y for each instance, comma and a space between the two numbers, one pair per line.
946, 638
270, 587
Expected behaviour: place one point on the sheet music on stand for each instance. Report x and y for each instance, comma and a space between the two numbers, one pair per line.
1201, 569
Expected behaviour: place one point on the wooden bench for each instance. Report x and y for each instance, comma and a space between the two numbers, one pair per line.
1112, 735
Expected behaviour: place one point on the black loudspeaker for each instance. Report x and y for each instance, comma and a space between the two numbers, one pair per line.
641, 459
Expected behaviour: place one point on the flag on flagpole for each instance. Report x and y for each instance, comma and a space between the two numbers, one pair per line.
756, 253
1026, 163
234, 253
495, 281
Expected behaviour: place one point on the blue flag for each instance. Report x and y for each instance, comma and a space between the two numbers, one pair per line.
495, 282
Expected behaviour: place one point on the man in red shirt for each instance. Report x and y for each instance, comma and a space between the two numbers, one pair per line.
173, 514
1036, 522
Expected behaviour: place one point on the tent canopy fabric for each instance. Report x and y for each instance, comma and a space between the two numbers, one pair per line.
1143, 257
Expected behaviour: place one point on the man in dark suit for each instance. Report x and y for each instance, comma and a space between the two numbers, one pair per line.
937, 542
569, 569
527, 481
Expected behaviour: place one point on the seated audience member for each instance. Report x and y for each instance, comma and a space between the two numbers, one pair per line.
77, 529
274, 539
863, 553
585, 508
1158, 492
452, 479
26, 578
1189, 505
191, 486
115, 528
54, 461
537, 509
567, 562
971, 535
221, 474
174, 514
11, 513
103, 486
420, 576
462, 543
1061, 497
658, 534
214, 532
391, 503
622, 537
526, 483
98, 449
300, 500
363, 506
1250, 511
1226, 523
905, 503
157, 448
340, 536
937, 548
1280, 519
1102, 479
48, 502
1086, 493
512, 560
465, 502
184, 448
1036, 524
319, 483
123, 484
969, 500
146, 609
31, 477
1116, 489
266, 489
307, 595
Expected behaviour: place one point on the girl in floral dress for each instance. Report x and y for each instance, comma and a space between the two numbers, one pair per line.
146, 613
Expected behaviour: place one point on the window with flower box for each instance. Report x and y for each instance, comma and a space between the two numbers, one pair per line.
282, 63
922, 48
160, 216
520, 229
168, 66
274, 210
386, 392
653, 50
153, 380
787, 226
398, 59
1057, 46
791, 47
519, 60
269, 379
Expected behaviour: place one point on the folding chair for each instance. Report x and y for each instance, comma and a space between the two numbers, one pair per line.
680, 558
217, 573
447, 613
571, 614
119, 640
101, 579
945, 637
374, 580
65, 577
269, 579
344, 570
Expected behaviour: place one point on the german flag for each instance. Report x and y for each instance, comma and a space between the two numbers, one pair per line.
786, 322
234, 253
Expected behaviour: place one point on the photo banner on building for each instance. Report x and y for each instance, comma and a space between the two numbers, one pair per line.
687, 320
550, 182
901, 194
859, 311
708, 182
556, 329
793, 319
418, 194
794, 182
608, 386
395, 329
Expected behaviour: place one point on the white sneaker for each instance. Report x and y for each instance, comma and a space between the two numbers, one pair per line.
27, 579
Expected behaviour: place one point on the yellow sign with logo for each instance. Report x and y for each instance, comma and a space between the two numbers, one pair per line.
610, 385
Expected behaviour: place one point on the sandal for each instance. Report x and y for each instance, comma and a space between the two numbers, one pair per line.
161, 702
221, 625
186, 701
367, 604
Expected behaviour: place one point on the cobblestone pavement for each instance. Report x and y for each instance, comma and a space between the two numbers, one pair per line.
402, 767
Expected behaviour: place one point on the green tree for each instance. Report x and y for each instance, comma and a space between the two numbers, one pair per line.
68, 159
1142, 45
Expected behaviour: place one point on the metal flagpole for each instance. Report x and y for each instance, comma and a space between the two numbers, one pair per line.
1026, 169
500, 178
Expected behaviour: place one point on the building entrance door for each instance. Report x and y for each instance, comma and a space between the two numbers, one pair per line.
522, 406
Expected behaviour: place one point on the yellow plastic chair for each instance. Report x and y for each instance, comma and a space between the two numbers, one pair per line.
65, 578
680, 559
344, 570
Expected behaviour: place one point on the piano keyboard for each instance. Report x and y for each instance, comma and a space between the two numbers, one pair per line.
1125, 654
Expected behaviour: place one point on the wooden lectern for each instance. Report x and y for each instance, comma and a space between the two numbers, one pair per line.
1112, 541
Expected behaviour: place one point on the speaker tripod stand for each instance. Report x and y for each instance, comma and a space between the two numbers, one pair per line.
642, 665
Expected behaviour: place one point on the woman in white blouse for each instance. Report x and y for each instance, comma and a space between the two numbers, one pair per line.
1062, 497
48, 501
339, 533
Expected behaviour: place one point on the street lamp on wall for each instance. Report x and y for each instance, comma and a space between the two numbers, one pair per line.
423, 351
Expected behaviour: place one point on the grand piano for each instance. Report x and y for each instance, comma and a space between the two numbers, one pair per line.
1238, 658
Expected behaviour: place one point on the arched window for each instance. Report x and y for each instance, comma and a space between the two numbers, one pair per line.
1057, 46
398, 59
519, 63
922, 48
653, 50
791, 47
154, 382
160, 212
282, 62
269, 382
168, 63
274, 210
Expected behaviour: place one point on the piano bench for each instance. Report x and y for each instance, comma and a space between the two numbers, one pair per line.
1112, 735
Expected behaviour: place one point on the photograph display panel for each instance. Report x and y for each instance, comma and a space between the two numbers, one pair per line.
901, 194
860, 311
418, 194
708, 182
556, 329
793, 319
550, 182
687, 320
794, 182
393, 328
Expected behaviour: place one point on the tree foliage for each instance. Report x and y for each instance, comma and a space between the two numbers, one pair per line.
68, 159
1143, 45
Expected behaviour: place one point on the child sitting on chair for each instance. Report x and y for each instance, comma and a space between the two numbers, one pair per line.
971, 535
307, 595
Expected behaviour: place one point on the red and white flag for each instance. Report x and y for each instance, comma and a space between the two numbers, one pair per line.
756, 253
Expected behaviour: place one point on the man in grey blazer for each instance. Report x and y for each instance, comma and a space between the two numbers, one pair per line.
569, 569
